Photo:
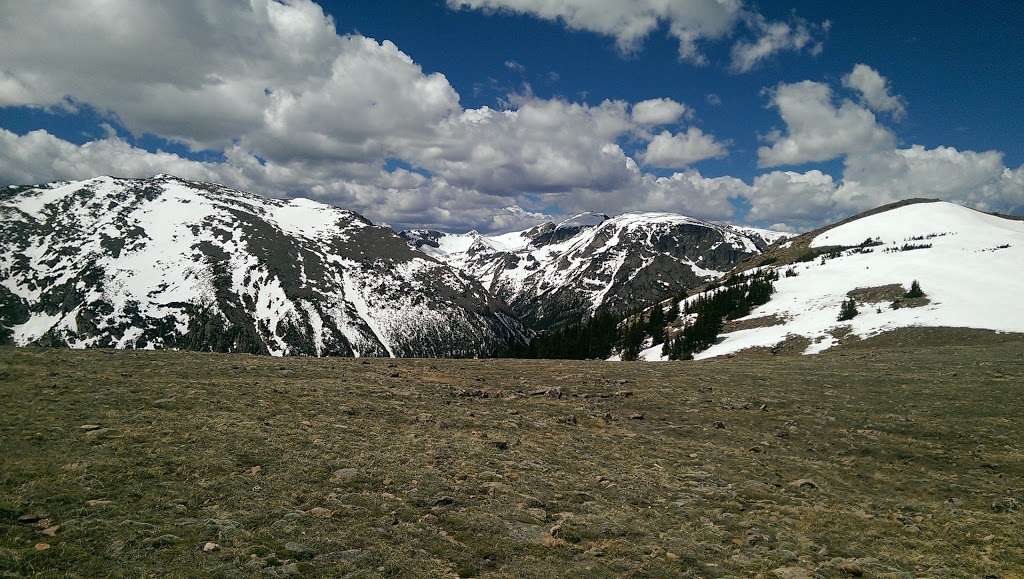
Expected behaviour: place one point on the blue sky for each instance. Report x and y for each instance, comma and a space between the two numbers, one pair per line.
956, 68
959, 65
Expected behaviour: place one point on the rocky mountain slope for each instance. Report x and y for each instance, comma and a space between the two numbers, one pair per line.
968, 264
555, 273
162, 262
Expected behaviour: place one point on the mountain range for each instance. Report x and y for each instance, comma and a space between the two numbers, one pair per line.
163, 262
552, 273
169, 263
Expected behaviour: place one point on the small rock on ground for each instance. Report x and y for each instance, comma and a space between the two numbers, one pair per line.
792, 573
344, 474
298, 550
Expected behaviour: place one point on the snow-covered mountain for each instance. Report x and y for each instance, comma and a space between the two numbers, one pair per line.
553, 273
163, 262
969, 264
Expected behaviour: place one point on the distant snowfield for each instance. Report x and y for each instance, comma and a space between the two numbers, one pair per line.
973, 275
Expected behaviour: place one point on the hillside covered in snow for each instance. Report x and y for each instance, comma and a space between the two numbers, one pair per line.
969, 265
163, 262
556, 273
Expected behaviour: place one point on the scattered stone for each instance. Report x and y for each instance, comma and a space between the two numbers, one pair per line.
346, 555
98, 503
500, 444
792, 573
394, 375
785, 555
719, 424
88, 427
1006, 505
298, 550
42, 546
344, 475
96, 433
636, 416
525, 532
161, 541
50, 531
850, 568
140, 524
210, 547
28, 519
163, 401
568, 420
320, 513
549, 392
756, 539
289, 570
803, 484
253, 471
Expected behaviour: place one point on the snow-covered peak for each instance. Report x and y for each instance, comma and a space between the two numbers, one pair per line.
587, 219
921, 220
164, 262
969, 264
559, 272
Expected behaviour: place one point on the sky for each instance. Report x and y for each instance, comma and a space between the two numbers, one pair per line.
495, 115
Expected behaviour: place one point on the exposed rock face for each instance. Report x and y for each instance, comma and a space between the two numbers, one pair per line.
163, 262
551, 274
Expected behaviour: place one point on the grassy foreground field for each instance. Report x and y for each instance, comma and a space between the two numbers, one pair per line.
899, 457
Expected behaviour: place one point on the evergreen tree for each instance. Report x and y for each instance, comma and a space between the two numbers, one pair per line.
915, 290
656, 324
673, 312
848, 310
632, 340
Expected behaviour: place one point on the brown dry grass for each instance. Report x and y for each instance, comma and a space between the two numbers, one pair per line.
913, 443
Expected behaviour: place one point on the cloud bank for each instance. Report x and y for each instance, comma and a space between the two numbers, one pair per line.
290, 107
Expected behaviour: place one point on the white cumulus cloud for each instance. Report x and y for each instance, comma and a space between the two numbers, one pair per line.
689, 22
817, 129
661, 111
875, 91
682, 149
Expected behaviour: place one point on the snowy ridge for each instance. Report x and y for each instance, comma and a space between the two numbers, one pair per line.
969, 264
560, 272
162, 262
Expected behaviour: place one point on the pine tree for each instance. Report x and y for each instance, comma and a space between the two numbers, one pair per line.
632, 339
848, 310
915, 290
656, 324
673, 312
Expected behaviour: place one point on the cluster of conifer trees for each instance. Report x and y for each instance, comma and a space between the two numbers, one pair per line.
598, 335
590, 338
736, 298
